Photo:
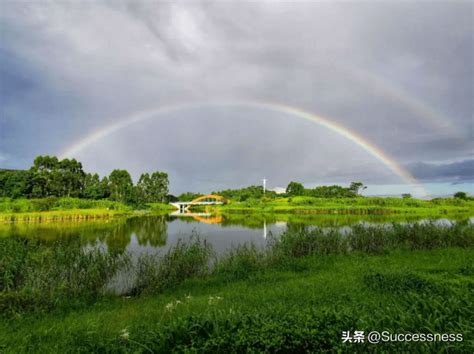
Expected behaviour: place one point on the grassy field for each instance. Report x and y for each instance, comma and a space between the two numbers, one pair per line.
68, 209
296, 295
369, 205
75, 209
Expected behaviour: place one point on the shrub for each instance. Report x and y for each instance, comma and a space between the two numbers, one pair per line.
183, 261
240, 262
398, 283
42, 277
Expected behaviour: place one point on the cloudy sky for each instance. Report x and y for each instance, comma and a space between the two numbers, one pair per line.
397, 74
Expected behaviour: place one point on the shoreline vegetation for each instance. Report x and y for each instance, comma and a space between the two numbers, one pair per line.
60, 190
54, 209
359, 205
296, 294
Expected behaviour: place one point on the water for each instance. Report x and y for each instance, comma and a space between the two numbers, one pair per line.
156, 234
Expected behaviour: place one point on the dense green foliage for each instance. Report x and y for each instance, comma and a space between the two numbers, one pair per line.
51, 177
460, 195
242, 194
357, 205
296, 295
188, 196
153, 188
297, 189
293, 189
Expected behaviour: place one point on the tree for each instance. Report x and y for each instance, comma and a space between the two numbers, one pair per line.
120, 185
295, 188
188, 196
52, 177
153, 188
406, 195
71, 178
171, 198
242, 194
333, 191
460, 195
15, 183
45, 177
356, 187
95, 188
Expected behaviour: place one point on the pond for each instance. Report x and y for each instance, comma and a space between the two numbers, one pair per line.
156, 234
138, 237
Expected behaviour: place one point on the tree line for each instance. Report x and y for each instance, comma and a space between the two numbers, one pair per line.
334, 191
51, 177
293, 189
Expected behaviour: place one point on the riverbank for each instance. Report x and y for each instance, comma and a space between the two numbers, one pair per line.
298, 295
62, 215
69, 209
360, 206
73, 209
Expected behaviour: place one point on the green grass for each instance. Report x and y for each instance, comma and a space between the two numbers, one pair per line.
300, 306
8, 205
297, 295
369, 205
74, 209
160, 207
68, 209
62, 215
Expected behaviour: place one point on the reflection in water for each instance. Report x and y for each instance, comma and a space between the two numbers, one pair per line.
151, 234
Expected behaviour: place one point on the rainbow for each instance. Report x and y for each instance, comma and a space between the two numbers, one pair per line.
415, 105
327, 123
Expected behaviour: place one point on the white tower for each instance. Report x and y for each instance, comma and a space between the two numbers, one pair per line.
264, 185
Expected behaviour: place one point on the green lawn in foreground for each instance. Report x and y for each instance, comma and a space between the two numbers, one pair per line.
302, 304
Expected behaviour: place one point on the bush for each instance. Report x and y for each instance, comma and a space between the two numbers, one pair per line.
399, 283
240, 262
42, 277
183, 261
285, 332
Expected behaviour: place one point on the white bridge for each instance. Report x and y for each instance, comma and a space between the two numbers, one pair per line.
210, 199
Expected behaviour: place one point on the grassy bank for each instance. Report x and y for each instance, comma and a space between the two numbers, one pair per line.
62, 215
68, 209
298, 294
75, 209
369, 205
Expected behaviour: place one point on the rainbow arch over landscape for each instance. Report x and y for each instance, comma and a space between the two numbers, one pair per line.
291, 111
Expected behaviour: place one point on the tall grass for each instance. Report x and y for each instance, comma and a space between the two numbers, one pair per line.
374, 239
183, 261
240, 261
357, 206
38, 277
8, 205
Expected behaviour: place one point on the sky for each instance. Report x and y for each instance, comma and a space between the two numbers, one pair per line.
75, 76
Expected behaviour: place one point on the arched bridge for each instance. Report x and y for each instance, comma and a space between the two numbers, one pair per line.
209, 199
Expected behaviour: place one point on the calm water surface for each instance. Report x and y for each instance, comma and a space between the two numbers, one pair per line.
156, 234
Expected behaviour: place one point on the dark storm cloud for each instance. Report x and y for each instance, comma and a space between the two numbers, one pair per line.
398, 73
454, 172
